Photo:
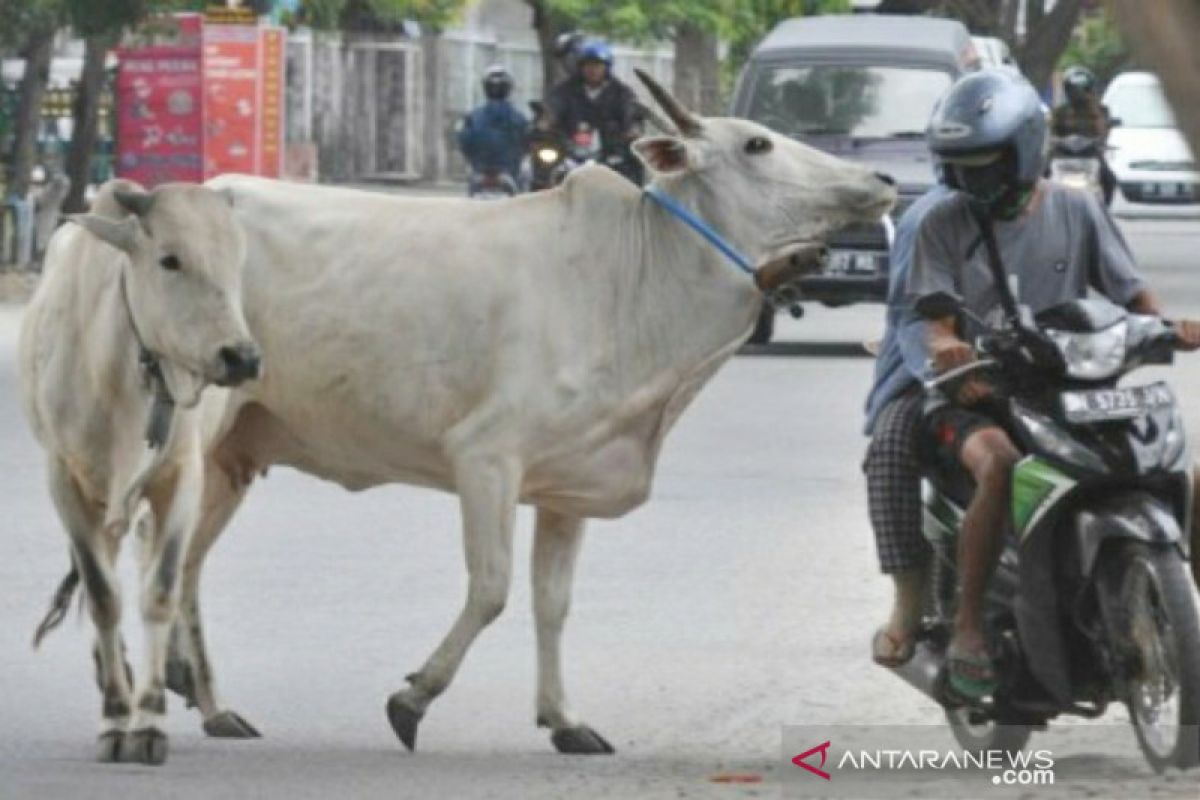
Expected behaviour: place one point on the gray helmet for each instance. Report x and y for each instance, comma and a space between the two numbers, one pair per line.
986, 113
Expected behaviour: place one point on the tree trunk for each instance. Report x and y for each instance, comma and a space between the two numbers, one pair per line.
1046, 37
86, 114
1163, 35
697, 70
549, 25
38, 52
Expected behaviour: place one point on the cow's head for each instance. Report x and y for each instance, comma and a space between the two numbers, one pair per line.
183, 281
760, 189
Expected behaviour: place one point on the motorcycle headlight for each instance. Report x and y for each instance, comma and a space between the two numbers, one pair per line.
1092, 356
1053, 440
547, 155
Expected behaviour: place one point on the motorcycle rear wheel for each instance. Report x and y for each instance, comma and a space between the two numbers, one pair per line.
1158, 621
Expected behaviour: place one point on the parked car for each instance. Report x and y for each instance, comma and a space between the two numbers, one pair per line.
995, 52
861, 87
1155, 169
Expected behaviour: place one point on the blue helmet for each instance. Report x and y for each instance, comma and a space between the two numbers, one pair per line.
596, 50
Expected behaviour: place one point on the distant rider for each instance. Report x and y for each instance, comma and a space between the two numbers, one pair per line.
1083, 114
594, 102
493, 136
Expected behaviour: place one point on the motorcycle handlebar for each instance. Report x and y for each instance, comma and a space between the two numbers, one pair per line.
957, 373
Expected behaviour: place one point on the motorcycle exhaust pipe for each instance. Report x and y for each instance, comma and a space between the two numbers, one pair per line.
922, 670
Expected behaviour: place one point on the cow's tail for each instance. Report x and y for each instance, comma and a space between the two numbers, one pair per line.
60, 604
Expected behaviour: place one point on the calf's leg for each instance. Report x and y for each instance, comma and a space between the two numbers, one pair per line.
487, 488
94, 558
176, 505
556, 542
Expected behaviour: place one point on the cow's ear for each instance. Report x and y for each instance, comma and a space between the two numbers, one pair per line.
666, 155
120, 233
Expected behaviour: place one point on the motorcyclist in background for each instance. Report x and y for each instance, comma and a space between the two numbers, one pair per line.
593, 102
493, 136
1083, 114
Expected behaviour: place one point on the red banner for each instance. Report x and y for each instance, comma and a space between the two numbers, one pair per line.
270, 107
159, 107
230, 99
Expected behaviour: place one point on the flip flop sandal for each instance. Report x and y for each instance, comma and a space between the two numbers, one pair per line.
891, 652
971, 674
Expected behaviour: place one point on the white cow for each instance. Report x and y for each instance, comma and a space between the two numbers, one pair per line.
138, 310
535, 350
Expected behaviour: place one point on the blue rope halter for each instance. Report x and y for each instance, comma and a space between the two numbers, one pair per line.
677, 210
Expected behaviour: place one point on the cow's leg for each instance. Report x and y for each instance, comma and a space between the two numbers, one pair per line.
189, 671
94, 558
487, 489
176, 506
556, 542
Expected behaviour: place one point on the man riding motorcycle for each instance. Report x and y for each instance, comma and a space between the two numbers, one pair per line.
493, 136
1082, 114
989, 132
593, 102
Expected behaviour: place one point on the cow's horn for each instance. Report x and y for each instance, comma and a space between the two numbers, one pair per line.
134, 201
687, 122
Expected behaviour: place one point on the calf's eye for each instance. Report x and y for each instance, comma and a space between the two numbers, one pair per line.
169, 262
758, 146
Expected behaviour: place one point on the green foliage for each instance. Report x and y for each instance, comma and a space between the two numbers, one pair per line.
740, 22
1097, 45
111, 16
334, 14
21, 18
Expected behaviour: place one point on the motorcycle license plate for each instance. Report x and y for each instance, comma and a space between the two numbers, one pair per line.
1098, 405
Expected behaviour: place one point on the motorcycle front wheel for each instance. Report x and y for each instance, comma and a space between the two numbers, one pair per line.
1157, 634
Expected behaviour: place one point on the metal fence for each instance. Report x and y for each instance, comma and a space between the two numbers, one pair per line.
365, 102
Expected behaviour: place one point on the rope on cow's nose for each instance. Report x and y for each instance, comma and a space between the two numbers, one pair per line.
684, 215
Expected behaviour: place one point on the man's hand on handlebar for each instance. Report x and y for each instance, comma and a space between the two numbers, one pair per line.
948, 352
1187, 334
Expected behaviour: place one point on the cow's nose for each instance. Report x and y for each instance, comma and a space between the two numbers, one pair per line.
241, 363
888, 179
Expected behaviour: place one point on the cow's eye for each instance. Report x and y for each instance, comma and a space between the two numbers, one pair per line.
169, 262
758, 146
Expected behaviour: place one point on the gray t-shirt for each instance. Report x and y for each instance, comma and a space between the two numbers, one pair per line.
1052, 255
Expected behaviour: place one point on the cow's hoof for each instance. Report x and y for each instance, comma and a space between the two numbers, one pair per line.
108, 747
581, 741
147, 746
181, 681
404, 719
229, 725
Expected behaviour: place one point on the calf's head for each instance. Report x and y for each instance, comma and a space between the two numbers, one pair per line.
183, 279
761, 190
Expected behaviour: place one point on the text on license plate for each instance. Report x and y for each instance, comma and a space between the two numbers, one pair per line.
854, 262
1123, 403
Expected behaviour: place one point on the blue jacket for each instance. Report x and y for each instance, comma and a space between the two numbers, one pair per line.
493, 137
902, 356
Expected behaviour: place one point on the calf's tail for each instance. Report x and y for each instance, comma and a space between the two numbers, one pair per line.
59, 605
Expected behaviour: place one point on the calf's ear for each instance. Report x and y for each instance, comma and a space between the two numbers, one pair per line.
120, 233
665, 155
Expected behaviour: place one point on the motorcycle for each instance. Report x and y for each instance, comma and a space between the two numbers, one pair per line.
1075, 161
491, 184
553, 156
1091, 602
